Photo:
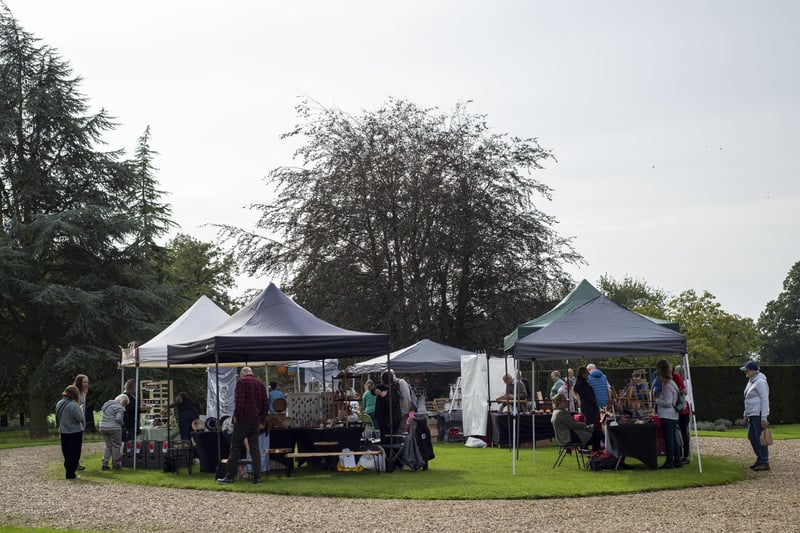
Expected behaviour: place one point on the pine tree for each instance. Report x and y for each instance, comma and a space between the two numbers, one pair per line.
72, 286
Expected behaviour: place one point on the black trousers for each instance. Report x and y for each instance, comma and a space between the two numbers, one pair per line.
240, 432
71, 450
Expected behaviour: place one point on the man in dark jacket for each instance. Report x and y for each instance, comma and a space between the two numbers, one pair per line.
251, 405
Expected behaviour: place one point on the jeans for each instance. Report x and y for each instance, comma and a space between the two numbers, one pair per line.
754, 434
669, 429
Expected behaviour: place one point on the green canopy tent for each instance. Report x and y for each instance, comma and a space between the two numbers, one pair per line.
582, 293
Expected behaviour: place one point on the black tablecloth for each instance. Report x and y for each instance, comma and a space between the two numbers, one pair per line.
349, 437
499, 428
206, 442
635, 440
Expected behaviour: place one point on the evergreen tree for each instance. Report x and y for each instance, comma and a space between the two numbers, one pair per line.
780, 323
72, 286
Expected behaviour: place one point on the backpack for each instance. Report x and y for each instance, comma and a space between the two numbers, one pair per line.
680, 403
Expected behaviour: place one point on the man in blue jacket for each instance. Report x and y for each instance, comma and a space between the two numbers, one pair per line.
599, 384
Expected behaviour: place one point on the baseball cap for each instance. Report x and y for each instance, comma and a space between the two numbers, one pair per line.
751, 365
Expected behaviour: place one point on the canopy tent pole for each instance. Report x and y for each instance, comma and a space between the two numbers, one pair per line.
533, 411
690, 400
218, 427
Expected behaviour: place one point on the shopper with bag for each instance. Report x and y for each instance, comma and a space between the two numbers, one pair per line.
756, 411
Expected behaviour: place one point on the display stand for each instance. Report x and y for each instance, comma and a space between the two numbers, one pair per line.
156, 395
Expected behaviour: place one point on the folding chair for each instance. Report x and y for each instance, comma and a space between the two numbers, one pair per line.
571, 448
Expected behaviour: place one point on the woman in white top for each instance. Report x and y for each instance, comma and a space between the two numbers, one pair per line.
668, 414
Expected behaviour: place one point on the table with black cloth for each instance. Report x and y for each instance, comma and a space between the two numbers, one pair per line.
499, 428
206, 442
635, 440
346, 437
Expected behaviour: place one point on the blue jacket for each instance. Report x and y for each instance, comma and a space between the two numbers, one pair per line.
599, 384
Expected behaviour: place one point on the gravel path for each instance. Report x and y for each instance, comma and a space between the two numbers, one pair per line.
765, 501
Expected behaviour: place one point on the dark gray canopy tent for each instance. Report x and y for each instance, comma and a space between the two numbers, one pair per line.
422, 356
601, 328
274, 328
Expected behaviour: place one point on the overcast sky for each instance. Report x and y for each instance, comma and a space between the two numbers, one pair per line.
676, 125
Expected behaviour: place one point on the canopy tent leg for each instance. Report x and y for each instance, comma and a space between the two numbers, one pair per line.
690, 400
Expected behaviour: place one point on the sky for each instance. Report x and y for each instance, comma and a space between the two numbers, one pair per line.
673, 124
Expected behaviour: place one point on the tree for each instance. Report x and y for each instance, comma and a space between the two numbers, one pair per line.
152, 216
780, 323
713, 337
71, 284
635, 294
410, 221
195, 268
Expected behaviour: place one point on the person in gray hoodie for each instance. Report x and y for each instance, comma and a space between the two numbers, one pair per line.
71, 423
111, 423
756, 411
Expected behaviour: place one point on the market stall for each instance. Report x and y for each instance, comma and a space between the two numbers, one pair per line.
602, 329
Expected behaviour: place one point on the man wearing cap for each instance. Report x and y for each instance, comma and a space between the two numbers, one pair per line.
250, 406
756, 411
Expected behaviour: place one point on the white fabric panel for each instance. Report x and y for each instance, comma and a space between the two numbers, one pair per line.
474, 401
498, 366
227, 386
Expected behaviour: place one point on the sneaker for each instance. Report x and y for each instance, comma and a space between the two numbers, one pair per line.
73, 478
256, 480
754, 465
760, 467
225, 480
106, 467
117, 467
667, 466
80, 467
684, 461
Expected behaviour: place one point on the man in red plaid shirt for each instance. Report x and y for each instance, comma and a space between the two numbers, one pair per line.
251, 405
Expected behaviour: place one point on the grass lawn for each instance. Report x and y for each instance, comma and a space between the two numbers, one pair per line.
782, 432
457, 472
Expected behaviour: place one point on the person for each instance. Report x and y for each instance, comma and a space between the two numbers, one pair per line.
82, 383
528, 391
555, 377
756, 412
131, 424
387, 407
685, 414
112, 421
684, 417
274, 394
251, 406
586, 397
667, 414
418, 390
599, 384
509, 396
568, 430
407, 399
188, 412
369, 401
71, 423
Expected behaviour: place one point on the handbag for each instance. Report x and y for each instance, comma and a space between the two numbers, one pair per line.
766, 436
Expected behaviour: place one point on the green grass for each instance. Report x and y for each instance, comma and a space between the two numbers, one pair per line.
781, 432
457, 473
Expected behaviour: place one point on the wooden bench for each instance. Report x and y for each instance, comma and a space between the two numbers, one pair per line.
308, 455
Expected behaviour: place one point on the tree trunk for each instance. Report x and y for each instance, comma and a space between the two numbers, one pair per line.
38, 410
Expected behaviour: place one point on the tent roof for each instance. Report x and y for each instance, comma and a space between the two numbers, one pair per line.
199, 318
423, 356
582, 293
274, 328
599, 328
